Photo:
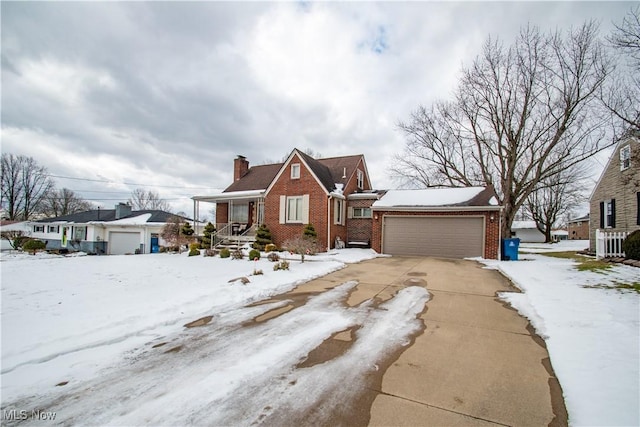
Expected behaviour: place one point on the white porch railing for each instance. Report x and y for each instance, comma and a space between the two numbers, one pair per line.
609, 243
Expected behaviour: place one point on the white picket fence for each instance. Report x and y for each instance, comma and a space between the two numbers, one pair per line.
609, 243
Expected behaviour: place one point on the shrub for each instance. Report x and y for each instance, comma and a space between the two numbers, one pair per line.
237, 254
273, 257
194, 252
282, 265
208, 231
303, 246
225, 253
309, 231
257, 272
263, 237
631, 245
270, 247
34, 245
210, 252
253, 254
194, 246
19, 241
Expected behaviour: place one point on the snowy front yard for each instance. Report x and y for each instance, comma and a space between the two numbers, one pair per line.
72, 326
591, 325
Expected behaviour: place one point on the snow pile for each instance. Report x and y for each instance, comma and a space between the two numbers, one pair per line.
561, 246
427, 197
68, 317
592, 334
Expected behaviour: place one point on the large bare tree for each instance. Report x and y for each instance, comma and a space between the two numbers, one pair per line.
555, 197
521, 115
63, 201
142, 199
622, 95
24, 186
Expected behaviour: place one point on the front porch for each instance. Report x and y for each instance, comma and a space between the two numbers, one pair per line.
237, 214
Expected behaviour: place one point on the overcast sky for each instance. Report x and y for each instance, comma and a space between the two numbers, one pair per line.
164, 95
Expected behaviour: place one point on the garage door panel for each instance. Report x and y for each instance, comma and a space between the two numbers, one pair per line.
450, 237
121, 243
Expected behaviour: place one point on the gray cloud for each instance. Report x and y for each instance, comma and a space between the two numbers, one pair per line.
167, 93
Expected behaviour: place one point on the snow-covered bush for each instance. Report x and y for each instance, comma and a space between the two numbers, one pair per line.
631, 245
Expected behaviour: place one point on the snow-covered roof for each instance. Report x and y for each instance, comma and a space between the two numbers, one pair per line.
521, 225
466, 197
231, 195
136, 220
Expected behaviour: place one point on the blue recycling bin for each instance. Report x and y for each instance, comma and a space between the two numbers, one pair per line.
510, 249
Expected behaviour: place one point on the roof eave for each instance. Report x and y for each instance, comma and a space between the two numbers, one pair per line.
436, 208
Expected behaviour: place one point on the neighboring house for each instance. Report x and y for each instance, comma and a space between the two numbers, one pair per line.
6, 225
527, 232
104, 231
579, 228
615, 201
333, 194
440, 222
559, 235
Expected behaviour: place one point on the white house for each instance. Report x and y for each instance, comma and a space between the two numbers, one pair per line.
104, 231
527, 232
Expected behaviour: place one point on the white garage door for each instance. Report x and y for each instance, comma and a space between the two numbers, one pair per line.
123, 243
447, 237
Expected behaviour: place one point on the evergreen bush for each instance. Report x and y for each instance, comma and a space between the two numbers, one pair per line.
270, 247
631, 245
309, 231
225, 253
34, 245
207, 234
253, 254
263, 237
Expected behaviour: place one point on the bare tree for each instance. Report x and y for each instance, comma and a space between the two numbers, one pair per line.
554, 198
172, 232
521, 115
622, 95
148, 199
24, 186
63, 201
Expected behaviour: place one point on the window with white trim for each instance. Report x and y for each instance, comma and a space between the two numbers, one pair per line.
53, 229
625, 157
80, 233
38, 228
240, 212
338, 214
361, 213
294, 209
360, 179
295, 170
609, 220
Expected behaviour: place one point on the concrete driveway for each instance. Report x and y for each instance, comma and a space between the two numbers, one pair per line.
477, 363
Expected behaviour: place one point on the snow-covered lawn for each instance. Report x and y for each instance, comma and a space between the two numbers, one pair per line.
106, 323
592, 330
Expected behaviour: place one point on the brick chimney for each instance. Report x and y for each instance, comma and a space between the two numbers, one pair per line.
122, 210
240, 167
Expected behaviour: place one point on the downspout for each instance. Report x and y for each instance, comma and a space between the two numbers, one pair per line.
500, 235
329, 222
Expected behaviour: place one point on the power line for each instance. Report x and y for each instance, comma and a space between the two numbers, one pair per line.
124, 183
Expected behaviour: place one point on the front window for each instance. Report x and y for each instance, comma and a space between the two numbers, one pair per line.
80, 233
295, 171
294, 209
240, 213
625, 157
38, 228
53, 229
362, 212
338, 214
608, 213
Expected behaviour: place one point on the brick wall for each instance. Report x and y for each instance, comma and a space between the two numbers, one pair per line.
306, 184
622, 186
359, 229
579, 230
492, 228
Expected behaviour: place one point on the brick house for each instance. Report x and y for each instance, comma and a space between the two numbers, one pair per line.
579, 228
615, 201
332, 194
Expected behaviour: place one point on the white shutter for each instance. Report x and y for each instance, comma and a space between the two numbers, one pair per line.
305, 209
350, 210
283, 209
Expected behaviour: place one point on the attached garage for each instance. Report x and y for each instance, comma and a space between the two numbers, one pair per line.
121, 242
437, 236
440, 222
